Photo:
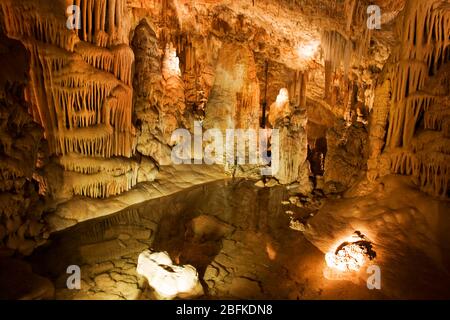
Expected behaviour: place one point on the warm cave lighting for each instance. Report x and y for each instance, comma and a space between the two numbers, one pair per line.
351, 254
283, 97
308, 50
172, 62
168, 280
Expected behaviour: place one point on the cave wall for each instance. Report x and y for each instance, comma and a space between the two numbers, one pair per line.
408, 128
80, 90
109, 96
23, 157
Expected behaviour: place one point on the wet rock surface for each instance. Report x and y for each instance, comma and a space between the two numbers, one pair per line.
236, 235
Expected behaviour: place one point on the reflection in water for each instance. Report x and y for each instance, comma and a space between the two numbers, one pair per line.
235, 234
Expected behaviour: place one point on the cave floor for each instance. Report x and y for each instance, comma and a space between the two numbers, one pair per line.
238, 238
235, 234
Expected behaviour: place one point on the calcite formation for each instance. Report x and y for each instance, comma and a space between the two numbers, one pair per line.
168, 280
91, 92
419, 58
110, 86
80, 90
234, 97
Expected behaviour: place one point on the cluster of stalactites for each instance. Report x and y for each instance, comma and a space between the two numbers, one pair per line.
425, 30
345, 46
100, 185
80, 91
426, 156
431, 169
98, 177
298, 88
425, 41
414, 98
91, 165
88, 111
403, 118
24, 21
432, 148
101, 20
338, 50
115, 60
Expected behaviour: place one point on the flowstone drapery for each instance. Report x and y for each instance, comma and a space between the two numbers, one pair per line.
80, 89
418, 106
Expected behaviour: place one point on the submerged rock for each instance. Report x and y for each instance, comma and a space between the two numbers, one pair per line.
168, 280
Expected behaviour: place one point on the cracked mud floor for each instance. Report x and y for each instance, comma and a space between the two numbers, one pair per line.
235, 234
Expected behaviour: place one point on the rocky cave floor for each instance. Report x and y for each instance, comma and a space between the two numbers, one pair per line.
237, 236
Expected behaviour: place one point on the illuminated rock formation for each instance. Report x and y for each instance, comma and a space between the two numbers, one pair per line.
420, 59
293, 166
110, 94
80, 89
234, 97
168, 280
94, 94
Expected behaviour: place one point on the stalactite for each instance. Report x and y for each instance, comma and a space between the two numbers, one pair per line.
80, 91
432, 169
102, 184
403, 118
328, 79
303, 89
22, 21
424, 41
337, 49
101, 20
297, 89
91, 165
350, 102
349, 9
